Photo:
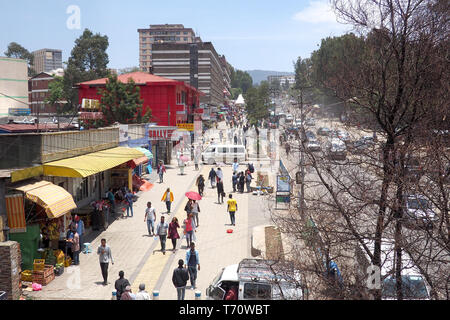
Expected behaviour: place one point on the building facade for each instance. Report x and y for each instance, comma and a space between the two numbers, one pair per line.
46, 60
289, 78
13, 88
197, 64
170, 101
160, 33
38, 92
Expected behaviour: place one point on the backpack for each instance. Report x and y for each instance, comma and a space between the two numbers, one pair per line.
251, 168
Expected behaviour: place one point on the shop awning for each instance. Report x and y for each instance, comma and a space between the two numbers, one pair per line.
146, 152
136, 162
92, 163
55, 200
16, 213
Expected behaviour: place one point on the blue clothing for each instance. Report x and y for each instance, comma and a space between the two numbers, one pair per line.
129, 198
80, 227
188, 257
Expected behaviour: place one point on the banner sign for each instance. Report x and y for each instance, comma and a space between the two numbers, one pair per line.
160, 134
90, 104
186, 126
19, 111
283, 184
90, 115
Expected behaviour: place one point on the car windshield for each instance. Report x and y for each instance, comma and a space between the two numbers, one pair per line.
413, 287
418, 204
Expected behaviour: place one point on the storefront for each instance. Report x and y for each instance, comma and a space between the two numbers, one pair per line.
161, 143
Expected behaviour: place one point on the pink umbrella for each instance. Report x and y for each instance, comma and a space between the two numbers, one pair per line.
184, 158
193, 195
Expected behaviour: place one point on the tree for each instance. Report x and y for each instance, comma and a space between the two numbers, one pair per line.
15, 50
257, 101
88, 61
120, 102
56, 95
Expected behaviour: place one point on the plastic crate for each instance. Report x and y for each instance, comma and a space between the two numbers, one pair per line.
26, 275
47, 271
43, 280
38, 264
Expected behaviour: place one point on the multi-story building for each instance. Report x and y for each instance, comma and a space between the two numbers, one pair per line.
46, 60
13, 88
38, 87
197, 64
161, 33
282, 78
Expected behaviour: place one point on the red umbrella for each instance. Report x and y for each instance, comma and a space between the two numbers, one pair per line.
193, 195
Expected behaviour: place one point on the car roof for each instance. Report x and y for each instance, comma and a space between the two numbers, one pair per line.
230, 273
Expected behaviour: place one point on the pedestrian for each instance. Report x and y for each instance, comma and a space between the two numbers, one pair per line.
161, 231
196, 160
232, 208
129, 202
200, 184
168, 198
189, 229
235, 165
121, 284
241, 182
150, 217
127, 295
173, 233
105, 256
142, 294
235, 139
234, 180
219, 174
161, 169
248, 180
195, 209
111, 199
180, 277
181, 164
76, 248
220, 192
221, 135
80, 229
212, 177
192, 262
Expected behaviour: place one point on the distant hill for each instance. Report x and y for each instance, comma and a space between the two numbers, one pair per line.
260, 75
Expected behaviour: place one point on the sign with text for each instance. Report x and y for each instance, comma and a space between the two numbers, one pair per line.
283, 184
160, 134
186, 126
90, 104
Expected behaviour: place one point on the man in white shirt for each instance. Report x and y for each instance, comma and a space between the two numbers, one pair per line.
142, 294
235, 166
150, 217
219, 174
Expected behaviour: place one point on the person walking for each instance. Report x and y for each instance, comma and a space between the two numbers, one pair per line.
248, 180
181, 164
105, 256
161, 169
180, 277
235, 139
129, 201
220, 191
234, 180
200, 184
111, 199
142, 294
76, 248
161, 231
235, 165
189, 229
192, 263
241, 182
195, 209
168, 198
232, 208
212, 177
173, 233
121, 284
219, 174
220, 135
150, 217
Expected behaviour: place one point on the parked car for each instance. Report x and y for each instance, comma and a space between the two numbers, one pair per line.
323, 131
336, 149
311, 122
418, 212
255, 280
313, 146
343, 135
310, 135
361, 144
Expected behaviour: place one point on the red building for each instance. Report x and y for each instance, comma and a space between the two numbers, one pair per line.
161, 95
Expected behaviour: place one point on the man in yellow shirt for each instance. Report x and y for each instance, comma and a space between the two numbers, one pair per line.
232, 208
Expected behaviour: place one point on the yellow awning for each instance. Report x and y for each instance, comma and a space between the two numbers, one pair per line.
92, 163
55, 200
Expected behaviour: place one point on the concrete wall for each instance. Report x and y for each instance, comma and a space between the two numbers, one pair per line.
10, 260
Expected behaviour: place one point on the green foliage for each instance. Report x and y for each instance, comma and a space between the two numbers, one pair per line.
88, 61
257, 101
240, 79
56, 94
120, 102
15, 50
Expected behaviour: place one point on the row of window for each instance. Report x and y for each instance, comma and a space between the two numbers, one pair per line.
38, 94
164, 32
164, 39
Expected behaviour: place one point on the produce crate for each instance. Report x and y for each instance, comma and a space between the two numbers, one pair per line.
48, 270
26, 275
38, 264
43, 280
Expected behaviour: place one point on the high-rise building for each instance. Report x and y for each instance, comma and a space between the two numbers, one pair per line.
46, 60
197, 64
161, 33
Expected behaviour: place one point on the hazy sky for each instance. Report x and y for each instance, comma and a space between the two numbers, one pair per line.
252, 34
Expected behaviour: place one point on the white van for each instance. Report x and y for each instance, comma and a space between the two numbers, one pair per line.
414, 285
225, 153
255, 281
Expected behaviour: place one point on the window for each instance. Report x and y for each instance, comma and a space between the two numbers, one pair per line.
211, 149
178, 38
257, 291
223, 150
185, 32
178, 32
185, 39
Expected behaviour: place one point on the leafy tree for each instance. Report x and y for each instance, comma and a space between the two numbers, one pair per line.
120, 102
257, 100
88, 61
56, 95
15, 50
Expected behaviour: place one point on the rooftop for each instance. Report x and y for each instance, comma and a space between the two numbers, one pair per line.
138, 77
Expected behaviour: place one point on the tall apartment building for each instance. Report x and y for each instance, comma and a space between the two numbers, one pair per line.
161, 33
46, 60
197, 64
13, 88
